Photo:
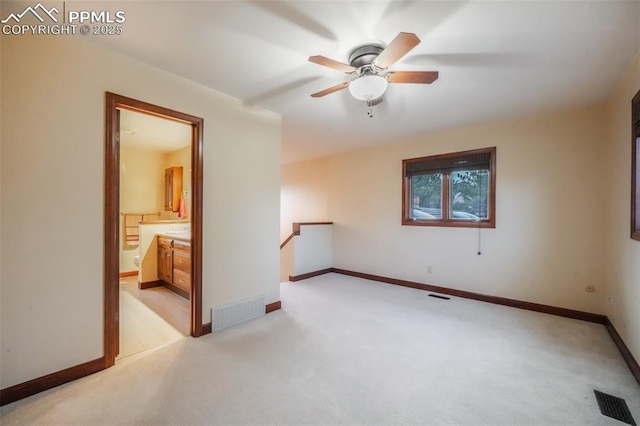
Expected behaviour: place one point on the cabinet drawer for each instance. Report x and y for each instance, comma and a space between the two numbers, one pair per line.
164, 242
182, 245
182, 280
182, 261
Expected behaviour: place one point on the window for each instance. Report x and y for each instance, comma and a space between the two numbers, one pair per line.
455, 189
635, 168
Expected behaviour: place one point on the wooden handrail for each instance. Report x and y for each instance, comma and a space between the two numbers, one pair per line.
296, 230
284, 243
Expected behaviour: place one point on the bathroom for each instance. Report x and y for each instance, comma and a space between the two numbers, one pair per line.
155, 204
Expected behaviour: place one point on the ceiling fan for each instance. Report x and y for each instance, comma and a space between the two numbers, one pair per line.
369, 63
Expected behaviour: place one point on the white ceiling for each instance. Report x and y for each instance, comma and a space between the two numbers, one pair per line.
497, 60
146, 132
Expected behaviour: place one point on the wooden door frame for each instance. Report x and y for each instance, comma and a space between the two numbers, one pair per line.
113, 103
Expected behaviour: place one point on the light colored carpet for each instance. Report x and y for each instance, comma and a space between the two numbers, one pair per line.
349, 351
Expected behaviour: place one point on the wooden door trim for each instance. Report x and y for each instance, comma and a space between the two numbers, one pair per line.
114, 102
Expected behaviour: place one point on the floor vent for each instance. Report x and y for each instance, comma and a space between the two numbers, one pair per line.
437, 296
614, 407
226, 316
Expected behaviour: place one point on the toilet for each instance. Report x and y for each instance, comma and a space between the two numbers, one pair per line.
136, 260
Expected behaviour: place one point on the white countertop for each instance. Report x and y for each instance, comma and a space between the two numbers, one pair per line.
176, 235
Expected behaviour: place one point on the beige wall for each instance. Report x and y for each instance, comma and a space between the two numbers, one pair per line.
547, 245
545, 248
303, 196
623, 253
141, 191
52, 107
141, 180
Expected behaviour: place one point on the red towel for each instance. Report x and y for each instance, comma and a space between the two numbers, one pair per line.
182, 210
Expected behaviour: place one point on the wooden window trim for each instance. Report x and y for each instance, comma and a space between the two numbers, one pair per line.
445, 221
635, 173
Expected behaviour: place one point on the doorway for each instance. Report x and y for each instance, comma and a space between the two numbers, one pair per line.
112, 232
153, 311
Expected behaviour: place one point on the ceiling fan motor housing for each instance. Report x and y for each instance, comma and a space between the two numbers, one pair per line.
364, 55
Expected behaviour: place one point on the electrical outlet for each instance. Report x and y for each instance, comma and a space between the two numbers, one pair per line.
610, 298
429, 270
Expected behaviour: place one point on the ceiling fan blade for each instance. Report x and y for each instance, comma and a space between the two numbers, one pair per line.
421, 77
331, 89
398, 47
322, 60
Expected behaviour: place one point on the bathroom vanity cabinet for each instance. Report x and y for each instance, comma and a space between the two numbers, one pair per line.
174, 265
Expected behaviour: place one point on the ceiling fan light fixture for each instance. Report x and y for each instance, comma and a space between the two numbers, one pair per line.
368, 87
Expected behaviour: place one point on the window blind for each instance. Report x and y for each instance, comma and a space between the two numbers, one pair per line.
445, 164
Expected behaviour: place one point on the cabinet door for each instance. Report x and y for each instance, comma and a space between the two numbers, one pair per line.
165, 264
172, 188
168, 190
168, 265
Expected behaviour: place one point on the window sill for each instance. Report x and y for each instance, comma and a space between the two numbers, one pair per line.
448, 223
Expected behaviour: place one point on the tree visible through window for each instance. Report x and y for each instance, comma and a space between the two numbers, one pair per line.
450, 190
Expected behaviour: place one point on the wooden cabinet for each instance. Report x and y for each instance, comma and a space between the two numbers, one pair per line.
165, 260
174, 265
172, 188
182, 266
182, 280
